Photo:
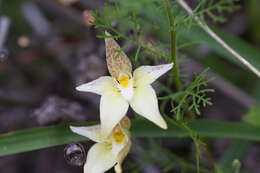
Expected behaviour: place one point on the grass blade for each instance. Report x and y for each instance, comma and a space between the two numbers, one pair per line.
43, 137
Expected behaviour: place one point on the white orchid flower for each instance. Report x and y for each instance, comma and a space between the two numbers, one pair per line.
123, 88
108, 151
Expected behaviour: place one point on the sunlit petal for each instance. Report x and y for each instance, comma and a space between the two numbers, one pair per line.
145, 103
98, 86
113, 108
148, 74
100, 159
91, 132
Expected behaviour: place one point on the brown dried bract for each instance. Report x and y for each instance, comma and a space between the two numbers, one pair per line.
117, 60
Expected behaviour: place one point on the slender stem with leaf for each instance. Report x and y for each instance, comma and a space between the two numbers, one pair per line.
173, 47
174, 56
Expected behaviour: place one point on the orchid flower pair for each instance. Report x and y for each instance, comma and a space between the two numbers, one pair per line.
118, 91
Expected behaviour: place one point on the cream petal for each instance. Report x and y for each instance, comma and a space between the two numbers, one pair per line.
98, 86
145, 103
113, 108
91, 132
148, 74
99, 159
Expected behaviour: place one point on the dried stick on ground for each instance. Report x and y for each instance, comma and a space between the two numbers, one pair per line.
219, 40
4, 27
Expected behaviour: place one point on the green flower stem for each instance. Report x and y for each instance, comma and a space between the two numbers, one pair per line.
174, 57
173, 48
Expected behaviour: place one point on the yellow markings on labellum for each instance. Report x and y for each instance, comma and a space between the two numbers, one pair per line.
118, 135
124, 80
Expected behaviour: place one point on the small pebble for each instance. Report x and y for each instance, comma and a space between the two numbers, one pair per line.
75, 154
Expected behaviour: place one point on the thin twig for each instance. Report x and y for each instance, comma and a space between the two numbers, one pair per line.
37, 20
219, 40
4, 26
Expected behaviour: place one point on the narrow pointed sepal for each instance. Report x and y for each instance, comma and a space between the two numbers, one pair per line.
145, 104
113, 108
148, 74
98, 86
91, 132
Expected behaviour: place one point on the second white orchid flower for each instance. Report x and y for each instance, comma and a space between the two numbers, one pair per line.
124, 88
108, 151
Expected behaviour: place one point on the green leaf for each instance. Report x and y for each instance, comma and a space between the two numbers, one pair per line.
38, 138
253, 116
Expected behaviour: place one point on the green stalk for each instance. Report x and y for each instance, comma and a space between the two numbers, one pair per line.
173, 47
174, 56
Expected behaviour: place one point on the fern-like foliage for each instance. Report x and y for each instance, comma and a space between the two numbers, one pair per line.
195, 95
213, 9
